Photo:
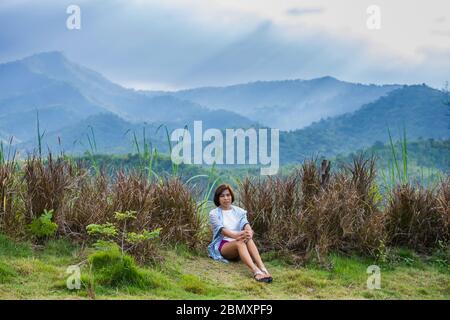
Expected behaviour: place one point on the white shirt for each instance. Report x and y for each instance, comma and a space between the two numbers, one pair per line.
230, 222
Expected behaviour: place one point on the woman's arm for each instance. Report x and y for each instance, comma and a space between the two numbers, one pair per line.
245, 234
233, 234
248, 231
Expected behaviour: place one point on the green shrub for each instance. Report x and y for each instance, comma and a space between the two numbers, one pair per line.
43, 227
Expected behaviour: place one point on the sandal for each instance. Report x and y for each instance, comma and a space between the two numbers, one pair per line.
258, 272
264, 271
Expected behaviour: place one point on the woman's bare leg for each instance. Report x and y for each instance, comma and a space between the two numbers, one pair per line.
230, 250
233, 249
254, 253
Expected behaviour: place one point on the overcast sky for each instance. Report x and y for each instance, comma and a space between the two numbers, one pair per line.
173, 44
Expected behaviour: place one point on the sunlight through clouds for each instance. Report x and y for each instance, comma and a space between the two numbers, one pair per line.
185, 43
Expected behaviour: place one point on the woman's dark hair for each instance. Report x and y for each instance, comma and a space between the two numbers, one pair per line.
219, 191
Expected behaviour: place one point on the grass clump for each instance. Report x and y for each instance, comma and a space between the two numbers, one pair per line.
193, 284
441, 256
10, 248
6, 272
112, 268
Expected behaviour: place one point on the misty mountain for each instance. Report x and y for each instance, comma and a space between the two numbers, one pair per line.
72, 101
289, 104
417, 110
57, 105
64, 94
129, 104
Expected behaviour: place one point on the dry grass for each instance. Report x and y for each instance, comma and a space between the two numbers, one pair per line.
79, 198
299, 214
11, 221
418, 218
47, 185
177, 213
89, 203
340, 219
303, 215
273, 209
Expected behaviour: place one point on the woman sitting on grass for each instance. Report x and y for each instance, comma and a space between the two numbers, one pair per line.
233, 236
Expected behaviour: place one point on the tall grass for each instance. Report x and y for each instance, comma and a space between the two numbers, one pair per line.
92, 151
46, 185
399, 169
10, 191
148, 156
395, 174
169, 143
273, 205
40, 136
88, 203
297, 213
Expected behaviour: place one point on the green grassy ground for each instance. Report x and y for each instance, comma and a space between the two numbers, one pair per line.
28, 272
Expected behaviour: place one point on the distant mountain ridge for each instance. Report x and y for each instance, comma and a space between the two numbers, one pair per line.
288, 104
339, 117
64, 93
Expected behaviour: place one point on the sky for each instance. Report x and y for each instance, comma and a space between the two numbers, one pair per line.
178, 44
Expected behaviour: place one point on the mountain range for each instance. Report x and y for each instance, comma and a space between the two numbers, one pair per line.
323, 116
64, 94
288, 104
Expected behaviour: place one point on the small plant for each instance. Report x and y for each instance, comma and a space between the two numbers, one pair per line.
110, 263
43, 227
117, 233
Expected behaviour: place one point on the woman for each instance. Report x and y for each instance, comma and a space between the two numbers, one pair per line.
233, 236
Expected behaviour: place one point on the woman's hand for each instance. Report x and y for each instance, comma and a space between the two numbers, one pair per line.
244, 235
241, 236
248, 234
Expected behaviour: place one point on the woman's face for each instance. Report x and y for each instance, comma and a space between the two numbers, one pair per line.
225, 198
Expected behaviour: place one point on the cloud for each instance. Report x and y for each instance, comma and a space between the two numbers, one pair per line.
186, 43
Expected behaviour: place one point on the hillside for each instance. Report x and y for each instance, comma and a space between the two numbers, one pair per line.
418, 110
421, 154
65, 94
